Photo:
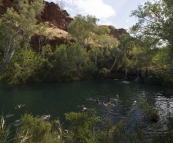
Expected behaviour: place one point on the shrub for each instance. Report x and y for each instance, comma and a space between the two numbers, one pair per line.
83, 125
149, 112
32, 129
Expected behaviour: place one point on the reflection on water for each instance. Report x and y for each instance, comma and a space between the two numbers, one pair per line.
164, 106
59, 98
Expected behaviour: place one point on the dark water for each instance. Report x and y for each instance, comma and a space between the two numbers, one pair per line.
59, 98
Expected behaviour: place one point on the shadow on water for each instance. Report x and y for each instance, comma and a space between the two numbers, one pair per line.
59, 98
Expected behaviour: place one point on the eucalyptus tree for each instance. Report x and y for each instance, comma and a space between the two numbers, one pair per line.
81, 27
155, 22
69, 61
155, 25
112, 44
96, 54
17, 26
23, 67
102, 44
160, 58
126, 46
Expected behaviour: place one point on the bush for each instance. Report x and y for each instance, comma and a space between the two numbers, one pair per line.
149, 112
32, 129
83, 125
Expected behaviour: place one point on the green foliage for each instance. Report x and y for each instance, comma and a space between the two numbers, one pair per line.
69, 61
150, 113
108, 41
23, 67
85, 127
151, 24
165, 75
81, 27
35, 129
17, 27
82, 124
100, 30
112, 28
155, 34
4, 131
161, 58
103, 73
46, 52
123, 53
96, 54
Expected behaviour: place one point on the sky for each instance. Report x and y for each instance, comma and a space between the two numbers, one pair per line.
109, 12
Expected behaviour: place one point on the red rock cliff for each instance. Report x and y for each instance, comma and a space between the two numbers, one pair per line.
51, 14
55, 16
117, 32
4, 5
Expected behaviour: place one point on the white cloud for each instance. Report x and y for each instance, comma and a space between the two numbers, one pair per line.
105, 22
55, 1
127, 21
95, 7
69, 9
91, 7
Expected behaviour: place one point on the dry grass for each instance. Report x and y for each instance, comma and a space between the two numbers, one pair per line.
58, 33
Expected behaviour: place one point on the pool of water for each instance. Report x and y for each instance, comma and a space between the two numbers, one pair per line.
57, 98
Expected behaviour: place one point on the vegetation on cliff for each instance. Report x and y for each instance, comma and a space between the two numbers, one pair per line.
94, 53
154, 28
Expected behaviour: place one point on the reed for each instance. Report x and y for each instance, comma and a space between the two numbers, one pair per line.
150, 113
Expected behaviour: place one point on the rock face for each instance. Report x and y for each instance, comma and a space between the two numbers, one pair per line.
56, 18
51, 14
4, 5
117, 32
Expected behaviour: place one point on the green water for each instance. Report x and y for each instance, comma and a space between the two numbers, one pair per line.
63, 97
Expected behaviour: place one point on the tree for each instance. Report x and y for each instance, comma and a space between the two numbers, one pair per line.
154, 20
17, 27
43, 35
144, 53
108, 41
127, 44
155, 30
23, 67
81, 28
69, 61
112, 44
112, 28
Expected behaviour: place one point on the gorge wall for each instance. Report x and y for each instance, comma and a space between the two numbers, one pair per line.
57, 19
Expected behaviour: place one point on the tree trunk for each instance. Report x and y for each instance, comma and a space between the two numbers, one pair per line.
113, 64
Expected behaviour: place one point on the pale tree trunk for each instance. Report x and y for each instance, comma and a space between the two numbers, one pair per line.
10, 51
115, 60
41, 42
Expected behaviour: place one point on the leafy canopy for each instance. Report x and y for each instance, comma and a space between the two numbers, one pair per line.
80, 28
17, 27
155, 20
